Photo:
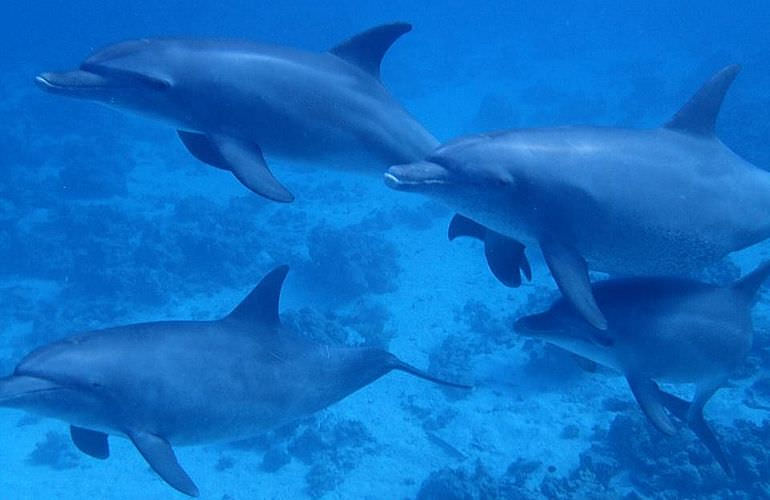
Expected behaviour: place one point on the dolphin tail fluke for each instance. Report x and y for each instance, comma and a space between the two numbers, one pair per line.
244, 160
699, 115
397, 364
570, 271
506, 257
684, 411
749, 285
159, 454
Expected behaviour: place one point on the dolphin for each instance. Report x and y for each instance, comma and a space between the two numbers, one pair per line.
668, 330
658, 202
232, 101
191, 382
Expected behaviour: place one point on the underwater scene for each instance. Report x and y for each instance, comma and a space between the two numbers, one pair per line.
401, 250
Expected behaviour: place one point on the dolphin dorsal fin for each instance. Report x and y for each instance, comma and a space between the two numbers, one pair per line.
699, 115
261, 305
367, 49
749, 285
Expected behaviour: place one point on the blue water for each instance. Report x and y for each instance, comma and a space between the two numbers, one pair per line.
105, 219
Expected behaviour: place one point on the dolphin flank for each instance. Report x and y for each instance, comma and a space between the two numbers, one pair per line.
665, 201
663, 330
233, 101
191, 382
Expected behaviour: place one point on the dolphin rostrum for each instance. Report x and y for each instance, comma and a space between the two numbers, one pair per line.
669, 330
231, 101
191, 382
664, 201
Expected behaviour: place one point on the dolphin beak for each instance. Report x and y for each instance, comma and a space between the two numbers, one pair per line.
14, 389
536, 325
416, 176
72, 83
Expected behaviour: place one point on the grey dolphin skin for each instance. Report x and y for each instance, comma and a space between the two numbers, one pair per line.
664, 201
191, 382
231, 101
663, 330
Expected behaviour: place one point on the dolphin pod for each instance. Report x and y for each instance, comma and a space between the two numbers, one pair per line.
646, 203
663, 330
211, 381
622, 201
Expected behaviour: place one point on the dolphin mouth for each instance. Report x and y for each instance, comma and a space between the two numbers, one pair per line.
532, 326
15, 388
523, 325
72, 82
416, 176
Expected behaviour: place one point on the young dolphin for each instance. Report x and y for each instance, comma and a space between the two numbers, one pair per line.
233, 101
664, 201
663, 330
191, 382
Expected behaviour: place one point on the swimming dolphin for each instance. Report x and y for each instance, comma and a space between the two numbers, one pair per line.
663, 201
191, 382
233, 101
663, 330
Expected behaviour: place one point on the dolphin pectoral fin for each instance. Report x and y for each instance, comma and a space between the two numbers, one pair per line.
159, 454
693, 416
199, 145
248, 165
585, 364
698, 424
396, 364
647, 394
676, 405
506, 259
244, 160
709, 439
463, 226
92, 443
570, 272
367, 49
505, 256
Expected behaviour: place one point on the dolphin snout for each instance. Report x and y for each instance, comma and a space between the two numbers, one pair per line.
523, 325
14, 389
413, 176
70, 82
535, 325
